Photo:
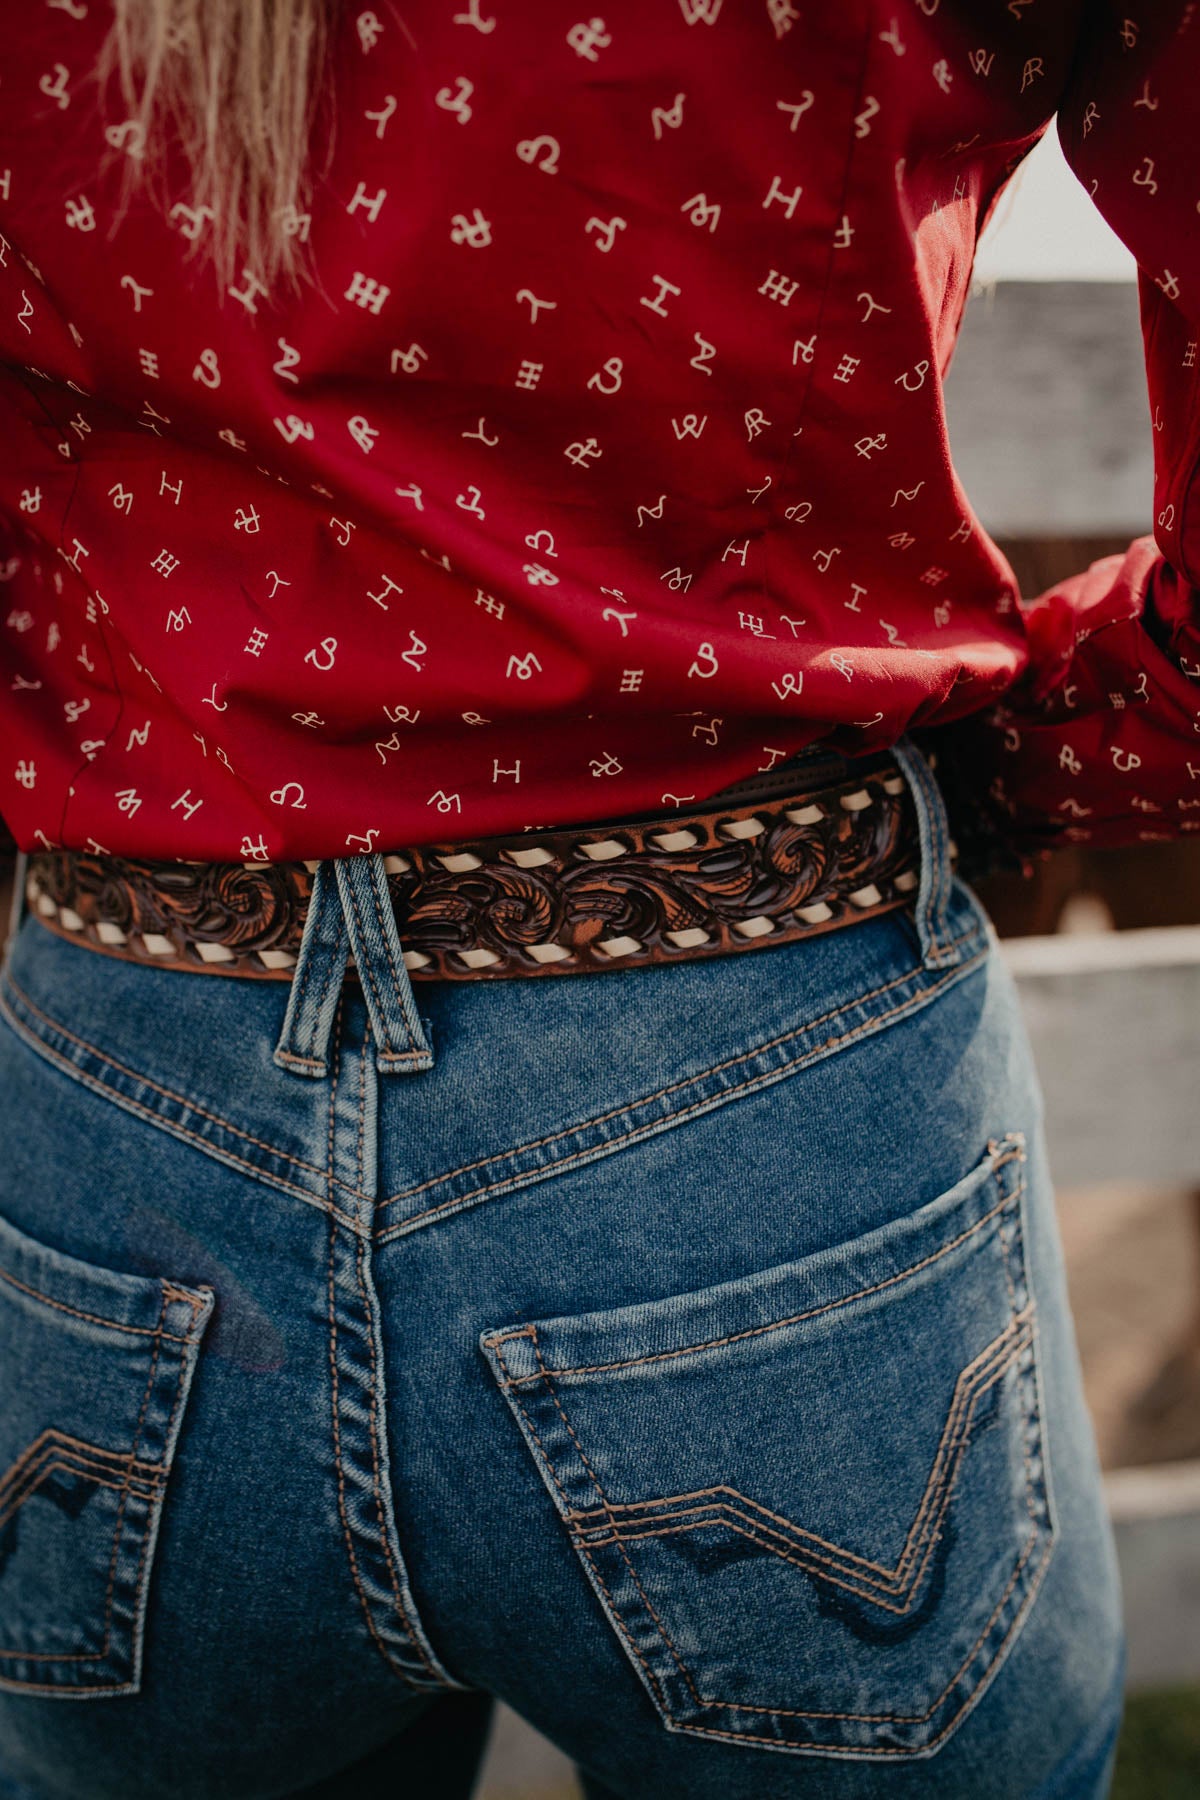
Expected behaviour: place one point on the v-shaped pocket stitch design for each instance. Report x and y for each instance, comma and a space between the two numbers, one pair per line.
812, 1500
894, 1588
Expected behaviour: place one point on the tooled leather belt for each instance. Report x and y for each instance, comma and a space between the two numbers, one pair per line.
762, 863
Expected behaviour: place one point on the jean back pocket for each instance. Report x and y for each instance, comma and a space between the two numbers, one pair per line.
811, 1501
97, 1369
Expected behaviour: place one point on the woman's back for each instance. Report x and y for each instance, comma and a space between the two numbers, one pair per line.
601, 462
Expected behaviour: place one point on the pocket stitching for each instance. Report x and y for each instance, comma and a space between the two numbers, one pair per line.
118, 1526
786, 1711
156, 1489
936, 1494
611, 1607
154, 1331
73, 1445
1010, 1249
1043, 1534
79, 1464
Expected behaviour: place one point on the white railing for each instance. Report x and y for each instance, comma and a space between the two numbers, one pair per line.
1114, 1019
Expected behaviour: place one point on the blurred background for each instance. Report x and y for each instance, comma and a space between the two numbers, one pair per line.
1050, 430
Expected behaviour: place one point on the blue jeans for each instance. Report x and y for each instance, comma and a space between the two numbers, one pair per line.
681, 1355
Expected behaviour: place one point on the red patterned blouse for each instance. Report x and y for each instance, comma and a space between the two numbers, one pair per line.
605, 462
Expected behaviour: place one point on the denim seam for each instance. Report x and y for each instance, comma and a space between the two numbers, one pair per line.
687, 1081
707, 1103
75, 1071
530, 1331
373, 1398
335, 1398
335, 1386
372, 1426
359, 1173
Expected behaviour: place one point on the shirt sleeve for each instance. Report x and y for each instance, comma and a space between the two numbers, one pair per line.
1098, 740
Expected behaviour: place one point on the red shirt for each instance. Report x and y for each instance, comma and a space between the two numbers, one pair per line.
607, 462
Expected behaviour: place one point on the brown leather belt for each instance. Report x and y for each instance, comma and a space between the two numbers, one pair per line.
763, 863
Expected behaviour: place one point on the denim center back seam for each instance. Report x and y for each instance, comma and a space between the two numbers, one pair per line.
357, 1404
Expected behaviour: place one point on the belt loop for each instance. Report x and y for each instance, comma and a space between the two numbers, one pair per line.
933, 890
18, 906
303, 1047
401, 1047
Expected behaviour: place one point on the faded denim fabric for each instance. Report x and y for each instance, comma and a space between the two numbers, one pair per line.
681, 1355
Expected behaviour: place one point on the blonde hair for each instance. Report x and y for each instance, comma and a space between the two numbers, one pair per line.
238, 81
